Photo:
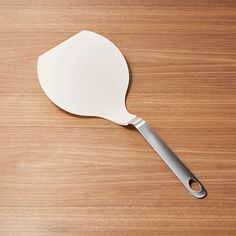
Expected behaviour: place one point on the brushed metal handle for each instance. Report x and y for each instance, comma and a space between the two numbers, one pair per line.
168, 156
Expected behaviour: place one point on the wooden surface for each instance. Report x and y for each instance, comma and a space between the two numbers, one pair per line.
66, 175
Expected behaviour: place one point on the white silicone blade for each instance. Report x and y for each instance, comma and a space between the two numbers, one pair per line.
87, 75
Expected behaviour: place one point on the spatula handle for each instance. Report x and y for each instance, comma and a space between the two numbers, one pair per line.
172, 161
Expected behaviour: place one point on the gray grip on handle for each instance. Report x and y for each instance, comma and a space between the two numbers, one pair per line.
172, 161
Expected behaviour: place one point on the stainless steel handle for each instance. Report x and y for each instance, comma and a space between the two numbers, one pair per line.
172, 161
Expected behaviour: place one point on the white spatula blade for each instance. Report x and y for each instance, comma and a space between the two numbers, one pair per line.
87, 75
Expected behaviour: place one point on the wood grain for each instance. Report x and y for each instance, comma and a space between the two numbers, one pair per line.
66, 175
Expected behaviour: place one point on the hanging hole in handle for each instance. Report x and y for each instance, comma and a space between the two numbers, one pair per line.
194, 185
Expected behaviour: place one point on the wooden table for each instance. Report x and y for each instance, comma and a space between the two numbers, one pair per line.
67, 175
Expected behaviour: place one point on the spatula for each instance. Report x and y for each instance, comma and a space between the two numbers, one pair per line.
87, 75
